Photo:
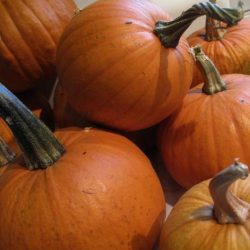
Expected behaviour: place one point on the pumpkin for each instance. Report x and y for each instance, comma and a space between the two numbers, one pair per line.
92, 190
30, 31
226, 46
212, 215
122, 67
210, 128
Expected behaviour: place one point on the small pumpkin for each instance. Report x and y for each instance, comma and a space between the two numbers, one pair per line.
210, 128
122, 67
226, 46
96, 190
30, 31
216, 209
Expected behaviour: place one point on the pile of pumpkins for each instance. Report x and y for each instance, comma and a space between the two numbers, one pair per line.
128, 81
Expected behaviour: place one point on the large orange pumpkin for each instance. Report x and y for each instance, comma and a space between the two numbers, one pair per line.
227, 47
96, 191
210, 128
30, 31
210, 216
122, 67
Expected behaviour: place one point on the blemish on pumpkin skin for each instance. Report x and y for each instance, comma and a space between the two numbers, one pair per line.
128, 22
77, 11
88, 191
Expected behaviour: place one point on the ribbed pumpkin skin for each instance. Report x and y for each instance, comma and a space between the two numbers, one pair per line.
186, 230
30, 31
102, 194
114, 68
64, 115
230, 55
207, 132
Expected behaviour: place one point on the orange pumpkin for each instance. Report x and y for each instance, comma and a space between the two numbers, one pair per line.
227, 47
123, 67
30, 31
210, 216
115, 69
96, 190
210, 128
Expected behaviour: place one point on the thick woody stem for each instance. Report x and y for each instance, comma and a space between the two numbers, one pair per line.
213, 82
39, 145
215, 30
169, 33
6, 155
227, 207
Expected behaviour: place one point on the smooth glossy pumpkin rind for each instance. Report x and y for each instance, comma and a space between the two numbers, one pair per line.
115, 69
30, 31
102, 194
191, 226
207, 132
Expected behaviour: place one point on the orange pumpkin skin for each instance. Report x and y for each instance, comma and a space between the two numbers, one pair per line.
102, 194
115, 69
30, 31
207, 132
184, 224
231, 54
64, 115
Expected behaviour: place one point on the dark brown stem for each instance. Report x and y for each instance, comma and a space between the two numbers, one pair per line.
215, 30
170, 32
213, 82
227, 207
39, 145
6, 155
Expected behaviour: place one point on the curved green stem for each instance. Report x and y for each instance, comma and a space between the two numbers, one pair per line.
227, 207
213, 82
39, 145
170, 32
6, 155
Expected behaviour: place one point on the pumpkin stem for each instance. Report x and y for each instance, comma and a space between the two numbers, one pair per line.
6, 155
169, 33
215, 29
39, 145
213, 82
227, 207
